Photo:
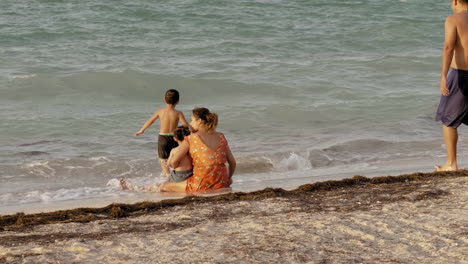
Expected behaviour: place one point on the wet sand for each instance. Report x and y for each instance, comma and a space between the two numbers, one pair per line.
417, 218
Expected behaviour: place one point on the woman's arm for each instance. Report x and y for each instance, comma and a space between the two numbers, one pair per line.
231, 161
179, 155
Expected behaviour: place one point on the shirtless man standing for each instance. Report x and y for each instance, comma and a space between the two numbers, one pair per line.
453, 107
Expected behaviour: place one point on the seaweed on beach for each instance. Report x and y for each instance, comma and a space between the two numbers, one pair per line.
302, 193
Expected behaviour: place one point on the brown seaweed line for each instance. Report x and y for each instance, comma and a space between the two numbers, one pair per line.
117, 210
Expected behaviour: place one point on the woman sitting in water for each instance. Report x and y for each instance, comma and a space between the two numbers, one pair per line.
209, 151
179, 173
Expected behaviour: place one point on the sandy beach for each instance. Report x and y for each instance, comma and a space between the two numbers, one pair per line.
417, 218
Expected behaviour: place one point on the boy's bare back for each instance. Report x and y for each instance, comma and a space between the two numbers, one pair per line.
169, 119
184, 164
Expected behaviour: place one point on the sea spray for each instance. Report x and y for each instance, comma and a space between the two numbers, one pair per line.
293, 162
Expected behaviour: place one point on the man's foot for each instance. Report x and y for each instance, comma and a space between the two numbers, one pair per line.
446, 167
123, 184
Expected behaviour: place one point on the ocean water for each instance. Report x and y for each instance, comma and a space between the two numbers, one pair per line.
305, 90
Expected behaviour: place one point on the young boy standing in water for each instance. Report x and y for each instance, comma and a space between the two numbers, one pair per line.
453, 107
170, 119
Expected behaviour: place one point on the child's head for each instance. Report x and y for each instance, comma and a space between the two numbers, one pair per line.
171, 97
203, 117
181, 132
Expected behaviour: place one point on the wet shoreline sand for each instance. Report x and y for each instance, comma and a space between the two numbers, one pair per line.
413, 218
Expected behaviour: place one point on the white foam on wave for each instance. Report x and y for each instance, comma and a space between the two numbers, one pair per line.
84, 167
39, 168
23, 76
60, 195
293, 162
115, 183
100, 158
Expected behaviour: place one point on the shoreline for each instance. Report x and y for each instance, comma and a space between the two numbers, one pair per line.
411, 218
242, 184
119, 210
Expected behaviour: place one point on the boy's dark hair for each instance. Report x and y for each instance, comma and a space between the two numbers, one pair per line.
181, 132
172, 97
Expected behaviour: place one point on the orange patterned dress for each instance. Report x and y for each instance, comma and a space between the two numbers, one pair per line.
209, 166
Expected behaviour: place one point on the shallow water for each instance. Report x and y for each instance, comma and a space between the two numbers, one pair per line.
304, 89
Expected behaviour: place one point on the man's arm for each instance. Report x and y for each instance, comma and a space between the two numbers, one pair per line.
148, 123
447, 54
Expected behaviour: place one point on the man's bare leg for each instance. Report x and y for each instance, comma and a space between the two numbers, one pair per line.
450, 139
165, 167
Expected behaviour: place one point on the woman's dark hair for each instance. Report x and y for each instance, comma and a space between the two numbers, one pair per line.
181, 132
210, 120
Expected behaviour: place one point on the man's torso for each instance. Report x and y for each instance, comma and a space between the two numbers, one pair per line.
460, 55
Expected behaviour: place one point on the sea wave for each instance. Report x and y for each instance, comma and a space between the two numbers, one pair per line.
45, 197
96, 176
136, 85
327, 155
